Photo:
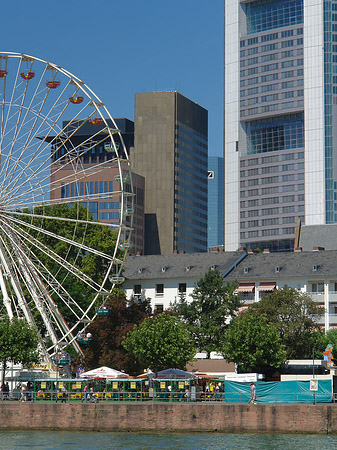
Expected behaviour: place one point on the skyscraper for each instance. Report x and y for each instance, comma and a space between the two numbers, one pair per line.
171, 147
215, 201
280, 108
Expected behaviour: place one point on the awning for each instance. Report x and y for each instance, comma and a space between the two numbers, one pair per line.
269, 286
245, 287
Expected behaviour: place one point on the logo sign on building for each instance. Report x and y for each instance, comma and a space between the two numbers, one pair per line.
211, 174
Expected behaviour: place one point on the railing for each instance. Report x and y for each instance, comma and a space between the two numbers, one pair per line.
167, 396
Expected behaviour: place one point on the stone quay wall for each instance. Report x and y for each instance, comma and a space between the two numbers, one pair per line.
183, 417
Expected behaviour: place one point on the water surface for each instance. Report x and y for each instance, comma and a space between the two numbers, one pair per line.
52, 440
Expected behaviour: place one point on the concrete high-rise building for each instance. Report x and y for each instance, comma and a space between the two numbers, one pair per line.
171, 149
215, 201
280, 119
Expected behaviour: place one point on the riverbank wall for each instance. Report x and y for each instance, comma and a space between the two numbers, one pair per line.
164, 417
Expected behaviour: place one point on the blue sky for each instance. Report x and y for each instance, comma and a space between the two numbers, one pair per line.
121, 47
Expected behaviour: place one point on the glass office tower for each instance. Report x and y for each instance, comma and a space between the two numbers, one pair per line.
280, 112
215, 202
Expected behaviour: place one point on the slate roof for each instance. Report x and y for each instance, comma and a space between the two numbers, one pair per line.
263, 266
318, 236
182, 265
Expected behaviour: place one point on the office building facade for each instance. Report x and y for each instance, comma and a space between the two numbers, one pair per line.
101, 180
280, 112
215, 202
171, 150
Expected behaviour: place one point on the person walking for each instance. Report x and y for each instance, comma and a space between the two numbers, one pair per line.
86, 394
64, 394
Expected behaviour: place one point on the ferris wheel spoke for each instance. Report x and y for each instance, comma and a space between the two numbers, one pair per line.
40, 295
76, 244
62, 262
73, 158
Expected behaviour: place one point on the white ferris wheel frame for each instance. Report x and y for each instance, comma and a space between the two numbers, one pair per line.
20, 266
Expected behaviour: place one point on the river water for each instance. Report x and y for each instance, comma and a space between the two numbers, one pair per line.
46, 440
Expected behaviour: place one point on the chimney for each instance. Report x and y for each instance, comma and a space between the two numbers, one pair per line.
318, 249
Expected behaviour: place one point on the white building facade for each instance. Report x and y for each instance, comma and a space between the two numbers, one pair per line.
280, 117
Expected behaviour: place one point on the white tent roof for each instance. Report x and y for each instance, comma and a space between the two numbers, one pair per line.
103, 372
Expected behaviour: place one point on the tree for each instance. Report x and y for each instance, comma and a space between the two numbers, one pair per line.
213, 306
254, 344
293, 315
106, 347
99, 237
322, 340
161, 342
18, 343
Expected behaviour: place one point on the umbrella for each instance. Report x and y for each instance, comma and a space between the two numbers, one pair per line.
104, 372
172, 373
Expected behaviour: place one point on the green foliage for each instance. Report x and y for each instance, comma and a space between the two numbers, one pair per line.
108, 332
293, 315
99, 237
254, 344
322, 340
160, 343
18, 342
213, 306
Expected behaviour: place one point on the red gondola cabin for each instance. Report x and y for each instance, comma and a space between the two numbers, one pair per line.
27, 75
97, 121
76, 100
53, 84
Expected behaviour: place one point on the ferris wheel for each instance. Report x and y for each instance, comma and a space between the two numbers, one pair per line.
62, 159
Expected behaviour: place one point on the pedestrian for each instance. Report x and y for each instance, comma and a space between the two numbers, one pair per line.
252, 393
64, 394
86, 393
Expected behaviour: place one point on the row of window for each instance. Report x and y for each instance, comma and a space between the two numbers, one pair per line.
272, 211
266, 233
272, 169
270, 48
272, 68
268, 222
159, 291
86, 188
270, 77
272, 87
271, 200
273, 190
270, 190
271, 159
299, 104
271, 97
270, 180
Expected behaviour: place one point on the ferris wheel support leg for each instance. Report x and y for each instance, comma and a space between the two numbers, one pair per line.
6, 300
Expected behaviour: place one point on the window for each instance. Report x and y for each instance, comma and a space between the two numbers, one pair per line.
271, 77
317, 287
182, 288
137, 290
268, 222
159, 290
158, 308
